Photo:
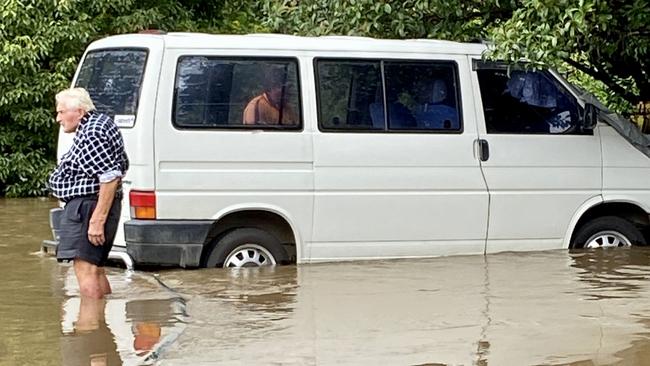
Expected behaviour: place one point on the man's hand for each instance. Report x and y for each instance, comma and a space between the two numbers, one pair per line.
96, 232
100, 214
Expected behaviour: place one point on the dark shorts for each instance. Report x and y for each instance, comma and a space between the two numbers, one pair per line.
73, 234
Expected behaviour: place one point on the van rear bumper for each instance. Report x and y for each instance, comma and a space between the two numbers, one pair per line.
166, 242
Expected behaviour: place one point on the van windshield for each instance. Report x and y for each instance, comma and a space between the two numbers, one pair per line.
113, 78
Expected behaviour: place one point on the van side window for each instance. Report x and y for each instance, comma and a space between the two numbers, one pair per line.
218, 92
527, 102
418, 95
113, 78
350, 95
421, 96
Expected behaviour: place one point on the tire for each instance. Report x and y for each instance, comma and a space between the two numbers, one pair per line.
608, 231
247, 247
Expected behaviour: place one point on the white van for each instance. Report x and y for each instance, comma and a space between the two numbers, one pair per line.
267, 149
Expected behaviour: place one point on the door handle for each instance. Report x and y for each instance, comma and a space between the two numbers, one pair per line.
483, 150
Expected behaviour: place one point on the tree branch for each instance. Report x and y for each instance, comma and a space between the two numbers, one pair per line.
606, 79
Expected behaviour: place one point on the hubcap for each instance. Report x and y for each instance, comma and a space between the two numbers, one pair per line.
249, 255
608, 239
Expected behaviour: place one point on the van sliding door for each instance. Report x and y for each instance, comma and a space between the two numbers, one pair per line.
395, 173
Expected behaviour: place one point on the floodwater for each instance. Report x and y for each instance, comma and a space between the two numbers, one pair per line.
543, 308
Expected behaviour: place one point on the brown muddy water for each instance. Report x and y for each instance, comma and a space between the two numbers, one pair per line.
544, 308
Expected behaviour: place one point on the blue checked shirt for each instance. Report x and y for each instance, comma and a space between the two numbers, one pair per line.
97, 156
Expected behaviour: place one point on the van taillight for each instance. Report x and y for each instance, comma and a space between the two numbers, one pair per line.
143, 204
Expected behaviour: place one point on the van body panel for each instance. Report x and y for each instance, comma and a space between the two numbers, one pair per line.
544, 178
586, 206
140, 155
626, 171
262, 44
399, 194
208, 170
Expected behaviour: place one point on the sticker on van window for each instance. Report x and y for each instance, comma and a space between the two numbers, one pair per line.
124, 120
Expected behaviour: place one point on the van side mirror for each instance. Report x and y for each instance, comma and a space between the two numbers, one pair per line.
589, 117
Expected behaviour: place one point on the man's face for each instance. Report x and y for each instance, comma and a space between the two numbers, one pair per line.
68, 118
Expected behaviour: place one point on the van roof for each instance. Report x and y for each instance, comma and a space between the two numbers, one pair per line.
268, 41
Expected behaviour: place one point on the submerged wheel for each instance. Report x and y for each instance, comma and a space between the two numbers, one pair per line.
247, 247
608, 232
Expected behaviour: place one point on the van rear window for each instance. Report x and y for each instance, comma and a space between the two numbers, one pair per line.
113, 78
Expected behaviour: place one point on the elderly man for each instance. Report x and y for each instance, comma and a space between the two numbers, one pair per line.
88, 180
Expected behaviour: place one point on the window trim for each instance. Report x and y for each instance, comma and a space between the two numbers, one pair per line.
141, 81
386, 129
298, 128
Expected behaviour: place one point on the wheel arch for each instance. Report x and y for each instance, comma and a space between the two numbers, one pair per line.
272, 219
592, 209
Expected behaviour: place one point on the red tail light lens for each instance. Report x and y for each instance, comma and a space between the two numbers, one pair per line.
143, 204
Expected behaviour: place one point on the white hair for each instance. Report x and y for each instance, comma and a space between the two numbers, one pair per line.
75, 98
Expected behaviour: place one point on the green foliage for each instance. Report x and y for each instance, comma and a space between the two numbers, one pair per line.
605, 44
453, 19
607, 41
41, 43
614, 102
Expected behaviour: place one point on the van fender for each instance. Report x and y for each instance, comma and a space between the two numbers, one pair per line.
586, 206
269, 208
633, 200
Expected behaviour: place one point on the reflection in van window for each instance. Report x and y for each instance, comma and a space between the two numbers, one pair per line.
213, 92
113, 79
527, 102
419, 95
350, 95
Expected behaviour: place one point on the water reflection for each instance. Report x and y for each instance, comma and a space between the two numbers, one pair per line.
555, 307
613, 273
91, 341
266, 289
43, 320
123, 328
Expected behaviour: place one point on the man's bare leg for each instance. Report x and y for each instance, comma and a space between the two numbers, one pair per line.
91, 279
103, 282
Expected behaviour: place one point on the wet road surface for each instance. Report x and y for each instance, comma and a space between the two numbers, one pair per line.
544, 308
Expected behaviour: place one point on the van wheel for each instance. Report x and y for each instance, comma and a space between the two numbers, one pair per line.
608, 232
247, 247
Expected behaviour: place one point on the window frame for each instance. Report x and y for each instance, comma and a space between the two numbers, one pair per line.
382, 61
297, 128
146, 51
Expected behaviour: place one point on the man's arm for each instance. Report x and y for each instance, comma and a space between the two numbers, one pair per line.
98, 219
251, 111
